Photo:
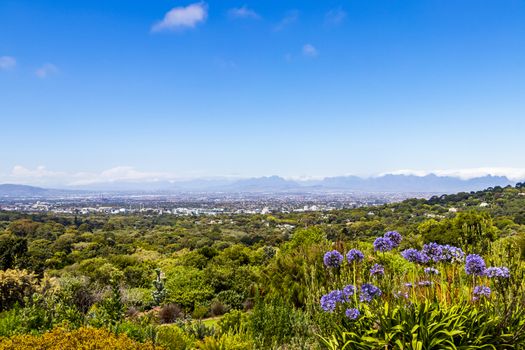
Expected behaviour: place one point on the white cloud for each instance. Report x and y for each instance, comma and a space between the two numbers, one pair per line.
335, 16
7, 62
46, 70
290, 18
309, 50
41, 176
513, 174
182, 17
243, 12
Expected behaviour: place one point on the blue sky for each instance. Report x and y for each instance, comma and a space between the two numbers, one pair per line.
104, 90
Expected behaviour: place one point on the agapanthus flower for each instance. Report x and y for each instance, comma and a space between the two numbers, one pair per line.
368, 292
474, 265
431, 271
333, 259
394, 237
352, 314
452, 254
434, 251
377, 270
383, 244
399, 294
354, 255
493, 272
481, 291
329, 301
348, 291
415, 256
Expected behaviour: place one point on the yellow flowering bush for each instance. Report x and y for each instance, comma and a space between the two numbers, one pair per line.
85, 338
15, 285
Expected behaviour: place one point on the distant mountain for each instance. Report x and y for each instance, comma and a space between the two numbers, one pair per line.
412, 183
24, 191
16, 191
387, 183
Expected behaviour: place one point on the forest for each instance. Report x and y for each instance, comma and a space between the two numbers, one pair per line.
442, 273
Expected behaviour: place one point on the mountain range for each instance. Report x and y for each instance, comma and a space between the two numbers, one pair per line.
273, 184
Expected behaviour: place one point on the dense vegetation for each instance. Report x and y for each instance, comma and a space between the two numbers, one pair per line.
284, 281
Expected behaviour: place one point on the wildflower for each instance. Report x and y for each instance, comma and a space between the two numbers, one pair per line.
383, 244
452, 254
354, 255
368, 292
329, 301
431, 271
481, 291
377, 270
475, 265
333, 259
348, 291
410, 254
493, 272
424, 283
434, 251
399, 294
408, 285
415, 256
394, 237
352, 314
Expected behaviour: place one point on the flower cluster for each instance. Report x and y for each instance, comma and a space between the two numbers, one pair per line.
369, 292
354, 255
352, 314
434, 251
333, 259
329, 301
348, 291
475, 265
494, 272
394, 237
415, 256
481, 291
452, 254
383, 244
431, 271
377, 270
389, 241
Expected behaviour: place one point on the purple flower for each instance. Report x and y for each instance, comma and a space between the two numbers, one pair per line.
333, 259
424, 283
431, 271
354, 255
368, 292
394, 237
329, 301
399, 294
415, 256
495, 272
434, 251
475, 265
348, 291
452, 254
383, 244
352, 314
377, 270
481, 291
408, 285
